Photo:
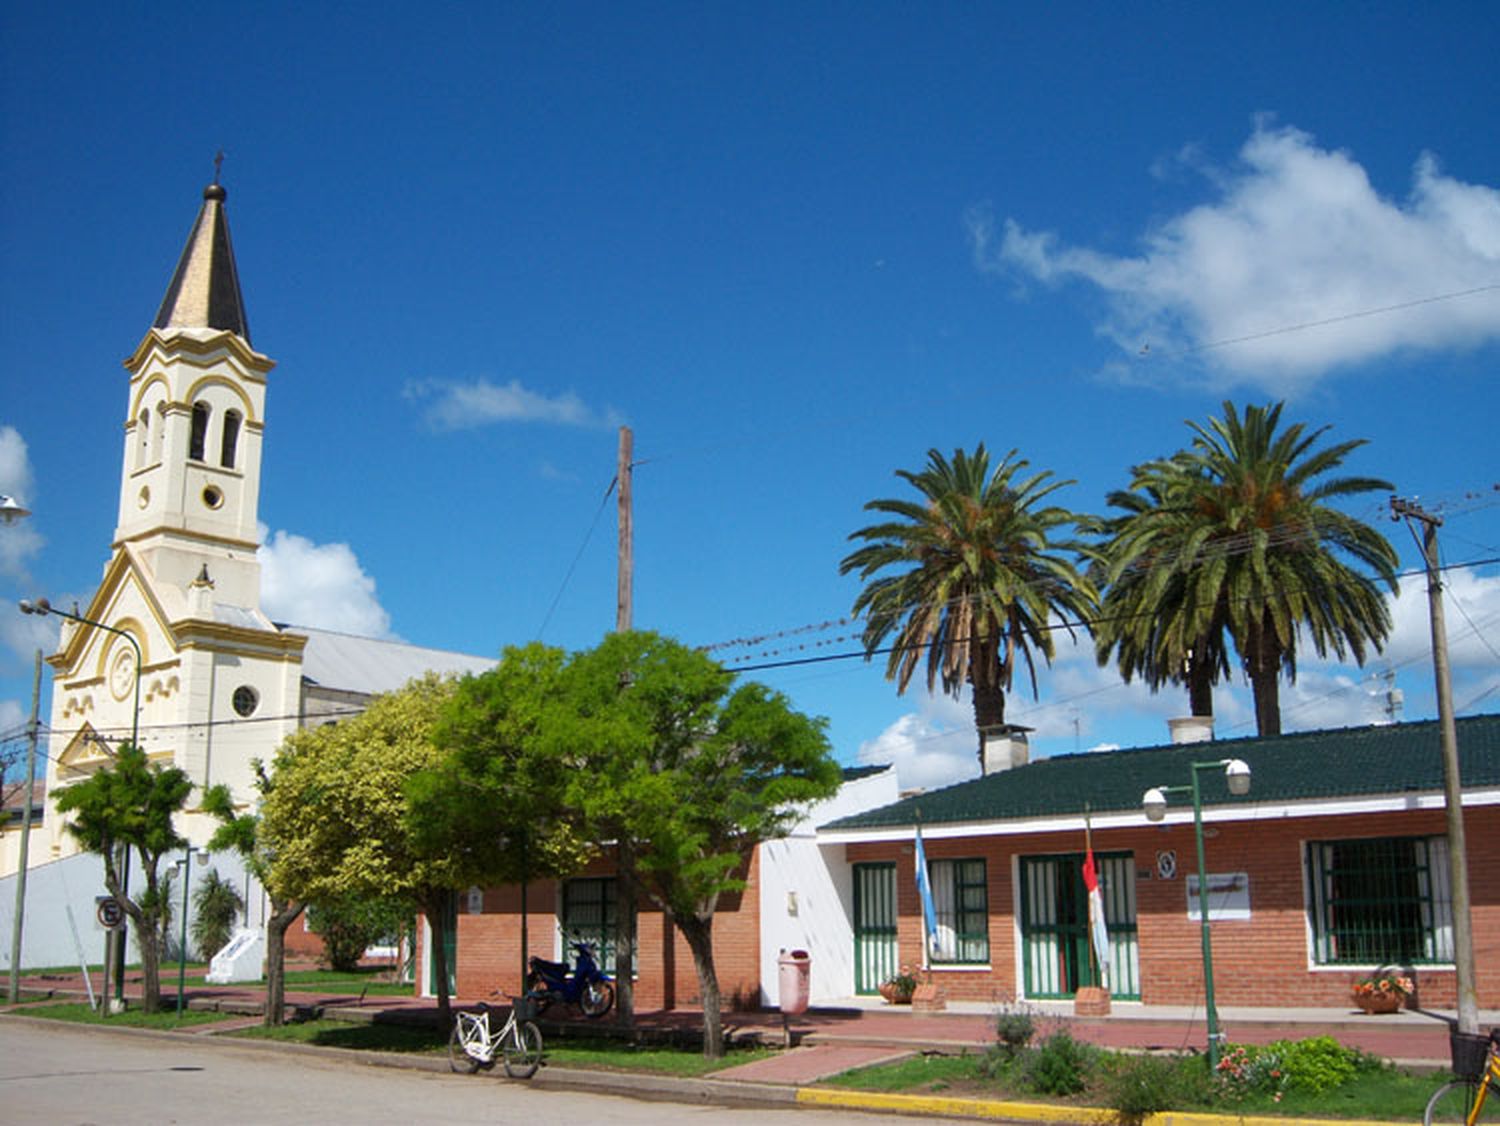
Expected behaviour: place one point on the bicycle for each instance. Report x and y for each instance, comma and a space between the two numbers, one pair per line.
1476, 1063
472, 1045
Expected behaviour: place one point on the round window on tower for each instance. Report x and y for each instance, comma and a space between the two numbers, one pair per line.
246, 700
144, 498
212, 497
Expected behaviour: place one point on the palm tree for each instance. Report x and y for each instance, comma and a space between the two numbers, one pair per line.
1154, 620
1252, 549
976, 581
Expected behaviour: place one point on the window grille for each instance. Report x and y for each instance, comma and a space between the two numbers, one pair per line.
963, 919
1380, 901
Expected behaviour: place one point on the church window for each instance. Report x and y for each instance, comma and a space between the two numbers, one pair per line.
143, 439
246, 700
230, 439
200, 432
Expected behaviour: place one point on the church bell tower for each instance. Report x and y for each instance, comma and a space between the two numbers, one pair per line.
190, 481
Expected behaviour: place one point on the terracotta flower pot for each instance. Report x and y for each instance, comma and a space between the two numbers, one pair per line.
895, 995
1379, 1001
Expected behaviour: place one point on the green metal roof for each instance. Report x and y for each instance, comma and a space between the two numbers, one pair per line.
1341, 764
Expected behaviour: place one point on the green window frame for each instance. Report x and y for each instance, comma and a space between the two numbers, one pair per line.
1380, 901
588, 914
960, 893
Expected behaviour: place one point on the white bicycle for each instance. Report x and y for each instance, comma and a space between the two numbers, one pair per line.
518, 1042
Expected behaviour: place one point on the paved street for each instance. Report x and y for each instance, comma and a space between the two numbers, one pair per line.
65, 1076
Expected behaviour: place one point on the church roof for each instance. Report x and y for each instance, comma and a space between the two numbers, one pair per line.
205, 289
368, 665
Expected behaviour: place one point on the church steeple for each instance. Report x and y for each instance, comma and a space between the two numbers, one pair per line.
190, 483
205, 290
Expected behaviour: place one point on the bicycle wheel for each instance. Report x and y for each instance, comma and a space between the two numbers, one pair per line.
523, 1049
597, 998
1452, 1102
458, 1056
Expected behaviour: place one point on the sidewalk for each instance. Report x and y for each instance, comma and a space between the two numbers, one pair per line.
856, 1032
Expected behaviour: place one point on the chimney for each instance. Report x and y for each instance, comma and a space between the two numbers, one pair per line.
1003, 747
1192, 729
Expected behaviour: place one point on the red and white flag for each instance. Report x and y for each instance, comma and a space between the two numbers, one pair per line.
1097, 927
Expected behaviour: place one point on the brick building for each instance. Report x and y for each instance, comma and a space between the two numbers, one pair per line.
1334, 864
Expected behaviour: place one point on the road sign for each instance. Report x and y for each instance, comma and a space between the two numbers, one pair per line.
108, 911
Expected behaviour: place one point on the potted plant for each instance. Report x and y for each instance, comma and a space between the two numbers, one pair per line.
1384, 991
899, 987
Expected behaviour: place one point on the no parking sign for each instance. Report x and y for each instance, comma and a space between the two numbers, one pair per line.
109, 912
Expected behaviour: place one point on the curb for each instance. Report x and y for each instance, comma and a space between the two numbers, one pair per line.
729, 1092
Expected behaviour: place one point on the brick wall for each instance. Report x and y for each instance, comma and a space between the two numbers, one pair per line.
489, 945
1263, 960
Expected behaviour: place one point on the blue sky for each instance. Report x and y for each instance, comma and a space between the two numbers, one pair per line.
793, 247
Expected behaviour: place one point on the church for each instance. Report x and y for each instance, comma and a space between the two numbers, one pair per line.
174, 649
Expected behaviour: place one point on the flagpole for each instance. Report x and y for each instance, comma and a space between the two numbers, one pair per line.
1088, 846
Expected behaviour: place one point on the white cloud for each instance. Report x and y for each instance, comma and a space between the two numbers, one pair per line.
462, 406
19, 542
932, 748
1296, 236
320, 585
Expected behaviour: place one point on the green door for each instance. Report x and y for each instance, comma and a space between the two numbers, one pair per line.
1055, 925
874, 925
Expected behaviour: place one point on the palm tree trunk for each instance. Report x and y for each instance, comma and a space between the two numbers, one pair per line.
699, 935
1200, 677
1263, 662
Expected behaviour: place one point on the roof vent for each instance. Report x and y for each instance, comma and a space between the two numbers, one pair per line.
1192, 729
1003, 747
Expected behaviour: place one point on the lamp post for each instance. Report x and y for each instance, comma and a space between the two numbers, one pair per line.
1154, 801
187, 882
42, 607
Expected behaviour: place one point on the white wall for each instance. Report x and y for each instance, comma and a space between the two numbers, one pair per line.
807, 895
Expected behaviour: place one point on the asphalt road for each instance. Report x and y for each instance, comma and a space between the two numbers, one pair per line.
62, 1075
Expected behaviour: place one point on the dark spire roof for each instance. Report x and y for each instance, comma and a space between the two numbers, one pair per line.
205, 289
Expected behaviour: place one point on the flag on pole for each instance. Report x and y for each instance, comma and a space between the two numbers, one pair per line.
1097, 926
929, 909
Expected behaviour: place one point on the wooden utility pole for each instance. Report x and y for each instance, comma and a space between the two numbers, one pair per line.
1453, 792
28, 796
627, 551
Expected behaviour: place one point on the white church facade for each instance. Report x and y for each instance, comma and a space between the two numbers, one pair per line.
176, 650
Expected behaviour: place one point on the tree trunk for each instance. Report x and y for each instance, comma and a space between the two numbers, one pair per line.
989, 710
1200, 678
1263, 661
435, 909
699, 935
624, 939
283, 914
147, 932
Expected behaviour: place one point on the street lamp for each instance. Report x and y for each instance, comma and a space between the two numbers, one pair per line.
186, 864
42, 608
1154, 802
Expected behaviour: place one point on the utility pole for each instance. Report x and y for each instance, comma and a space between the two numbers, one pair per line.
624, 607
1453, 793
28, 796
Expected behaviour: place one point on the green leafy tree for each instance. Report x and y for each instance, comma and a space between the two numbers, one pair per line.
1251, 547
336, 816
216, 905
491, 803
350, 925
131, 804
240, 830
973, 576
1156, 620
687, 772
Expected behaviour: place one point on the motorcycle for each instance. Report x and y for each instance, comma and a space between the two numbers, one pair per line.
584, 985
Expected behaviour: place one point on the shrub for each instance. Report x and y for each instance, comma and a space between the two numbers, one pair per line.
1317, 1064
348, 926
1140, 1085
1061, 1066
1014, 1027
217, 902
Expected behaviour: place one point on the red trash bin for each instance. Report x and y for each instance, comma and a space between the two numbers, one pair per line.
796, 968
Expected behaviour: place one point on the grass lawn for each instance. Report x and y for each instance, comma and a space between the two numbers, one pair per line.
80, 1013
1388, 1094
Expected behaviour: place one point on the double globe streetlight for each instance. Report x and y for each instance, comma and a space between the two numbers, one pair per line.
1154, 801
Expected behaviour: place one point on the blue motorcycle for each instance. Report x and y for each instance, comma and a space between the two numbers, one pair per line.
584, 984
